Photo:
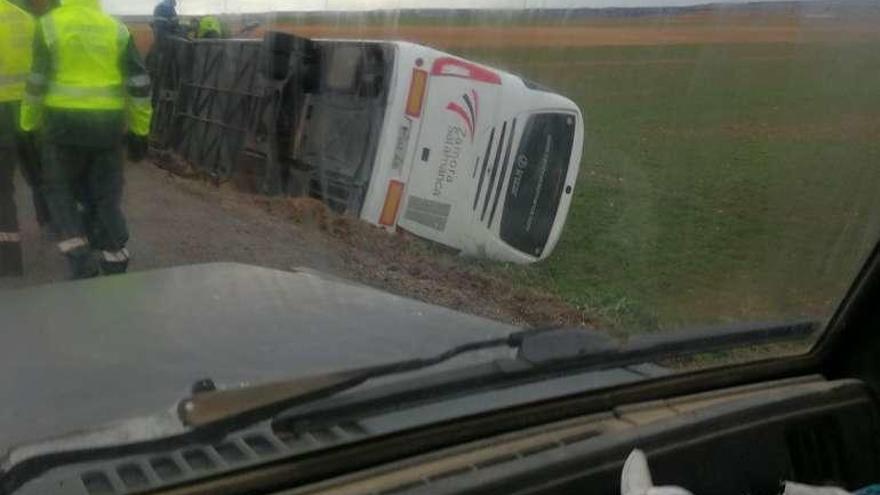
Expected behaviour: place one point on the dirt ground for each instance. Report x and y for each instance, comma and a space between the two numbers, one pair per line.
178, 221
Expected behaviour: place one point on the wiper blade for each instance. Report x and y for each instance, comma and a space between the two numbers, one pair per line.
555, 345
537, 350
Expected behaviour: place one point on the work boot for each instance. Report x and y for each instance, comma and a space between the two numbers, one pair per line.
11, 264
80, 260
114, 262
82, 265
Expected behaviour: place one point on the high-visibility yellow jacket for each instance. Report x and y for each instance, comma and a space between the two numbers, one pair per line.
210, 27
83, 67
16, 46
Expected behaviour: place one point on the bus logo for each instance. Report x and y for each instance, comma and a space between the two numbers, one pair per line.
472, 103
519, 170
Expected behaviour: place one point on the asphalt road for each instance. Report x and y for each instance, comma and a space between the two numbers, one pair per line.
174, 222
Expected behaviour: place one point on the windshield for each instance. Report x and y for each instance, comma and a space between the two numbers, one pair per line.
537, 180
407, 177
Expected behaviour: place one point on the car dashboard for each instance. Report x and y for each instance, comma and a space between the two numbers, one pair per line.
745, 440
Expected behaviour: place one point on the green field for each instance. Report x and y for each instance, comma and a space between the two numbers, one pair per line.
719, 182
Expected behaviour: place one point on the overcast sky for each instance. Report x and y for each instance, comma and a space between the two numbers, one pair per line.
192, 7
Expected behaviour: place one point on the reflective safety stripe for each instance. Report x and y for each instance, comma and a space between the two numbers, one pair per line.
120, 256
10, 237
36, 88
138, 86
69, 245
13, 78
85, 92
139, 81
140, 100
37, 79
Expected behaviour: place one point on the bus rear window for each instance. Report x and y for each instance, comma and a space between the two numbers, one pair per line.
537, 180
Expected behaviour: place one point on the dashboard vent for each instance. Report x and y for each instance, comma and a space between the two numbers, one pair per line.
166, 468
133, 476
137, 474
98, 484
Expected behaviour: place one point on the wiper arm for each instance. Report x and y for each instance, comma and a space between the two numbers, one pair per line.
258, 400
537, 349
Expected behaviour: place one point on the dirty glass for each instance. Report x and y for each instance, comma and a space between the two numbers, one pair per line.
724, 167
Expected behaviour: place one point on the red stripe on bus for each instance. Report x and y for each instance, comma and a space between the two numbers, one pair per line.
453, 67
476, 106
455, 107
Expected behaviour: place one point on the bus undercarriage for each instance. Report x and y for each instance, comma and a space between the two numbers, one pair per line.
282, 115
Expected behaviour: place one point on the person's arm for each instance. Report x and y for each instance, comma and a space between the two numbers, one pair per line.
139, 110
31, 116
137, 88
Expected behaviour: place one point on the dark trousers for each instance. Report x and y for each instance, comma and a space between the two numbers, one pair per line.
32, 170
10, 239
83, 187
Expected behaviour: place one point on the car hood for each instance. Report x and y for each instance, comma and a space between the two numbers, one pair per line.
80, 354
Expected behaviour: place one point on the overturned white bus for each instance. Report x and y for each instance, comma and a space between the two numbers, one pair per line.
402, 135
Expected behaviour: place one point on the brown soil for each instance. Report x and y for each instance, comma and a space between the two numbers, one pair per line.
557, 36
643, 62
408, 266
691, 29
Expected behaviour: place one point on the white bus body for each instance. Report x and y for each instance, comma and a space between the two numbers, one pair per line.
473, 157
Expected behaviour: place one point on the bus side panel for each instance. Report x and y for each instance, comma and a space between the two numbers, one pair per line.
398, 135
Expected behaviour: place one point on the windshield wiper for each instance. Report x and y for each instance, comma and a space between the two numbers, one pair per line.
548, 349
209, 407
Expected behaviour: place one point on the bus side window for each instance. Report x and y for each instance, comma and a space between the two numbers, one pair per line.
372, 75
341, 69
354, 70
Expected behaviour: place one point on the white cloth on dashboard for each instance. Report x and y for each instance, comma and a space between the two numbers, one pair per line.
792, 488
636, 478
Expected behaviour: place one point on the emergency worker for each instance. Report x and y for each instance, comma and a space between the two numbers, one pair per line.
87, 87
165, 20
26, 143
209, 28
16, 38
165, 24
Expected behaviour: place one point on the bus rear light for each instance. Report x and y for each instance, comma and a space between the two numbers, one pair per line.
392, 203
416, 93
